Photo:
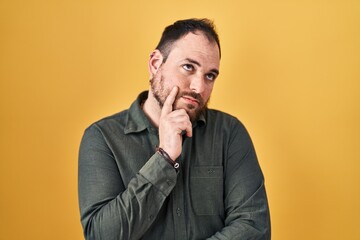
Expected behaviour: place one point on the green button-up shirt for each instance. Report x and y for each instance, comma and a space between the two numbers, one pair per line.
127, 190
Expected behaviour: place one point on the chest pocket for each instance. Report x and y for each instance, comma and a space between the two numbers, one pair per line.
206, 189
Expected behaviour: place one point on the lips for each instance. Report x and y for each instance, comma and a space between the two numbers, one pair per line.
191, 100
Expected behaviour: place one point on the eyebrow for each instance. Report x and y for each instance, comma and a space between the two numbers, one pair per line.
214, 70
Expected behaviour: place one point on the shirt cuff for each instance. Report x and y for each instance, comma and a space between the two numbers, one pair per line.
159, 173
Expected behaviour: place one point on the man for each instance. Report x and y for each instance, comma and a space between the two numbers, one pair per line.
169, 167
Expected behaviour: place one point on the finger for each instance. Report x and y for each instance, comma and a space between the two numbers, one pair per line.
179, 113
181, 117
168, 104
189, 130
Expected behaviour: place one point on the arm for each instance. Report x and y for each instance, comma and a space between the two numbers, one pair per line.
109, 209
245, 201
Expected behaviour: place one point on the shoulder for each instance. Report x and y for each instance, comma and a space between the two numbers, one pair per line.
217, 117
225, 125
117, 118
110, 123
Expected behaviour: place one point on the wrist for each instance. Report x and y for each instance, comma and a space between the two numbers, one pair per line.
168, 158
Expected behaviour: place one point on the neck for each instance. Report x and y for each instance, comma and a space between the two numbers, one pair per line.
152, 109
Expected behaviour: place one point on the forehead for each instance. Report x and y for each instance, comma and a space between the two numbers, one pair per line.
195, 45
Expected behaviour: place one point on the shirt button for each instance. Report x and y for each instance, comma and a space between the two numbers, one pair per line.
151, 217
169, 182
178, 212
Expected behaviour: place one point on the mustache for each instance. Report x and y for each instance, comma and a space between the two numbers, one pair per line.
191, 94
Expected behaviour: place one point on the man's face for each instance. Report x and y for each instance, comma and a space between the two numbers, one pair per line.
192, 65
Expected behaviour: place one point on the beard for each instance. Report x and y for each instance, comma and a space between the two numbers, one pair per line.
160, 93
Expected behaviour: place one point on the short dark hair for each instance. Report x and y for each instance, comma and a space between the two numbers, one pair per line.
180, 28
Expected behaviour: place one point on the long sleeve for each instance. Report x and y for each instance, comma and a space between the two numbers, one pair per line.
245, 201
109, 209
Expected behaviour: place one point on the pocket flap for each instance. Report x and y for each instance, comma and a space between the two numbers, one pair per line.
207, 172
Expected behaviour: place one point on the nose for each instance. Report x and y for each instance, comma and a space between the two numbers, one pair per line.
197, 84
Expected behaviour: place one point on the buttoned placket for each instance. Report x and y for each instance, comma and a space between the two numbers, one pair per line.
178, 207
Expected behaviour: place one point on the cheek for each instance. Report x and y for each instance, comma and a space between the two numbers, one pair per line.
176, 79
172, 77
208, 91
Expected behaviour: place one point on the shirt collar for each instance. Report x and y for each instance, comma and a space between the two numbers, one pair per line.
137, 120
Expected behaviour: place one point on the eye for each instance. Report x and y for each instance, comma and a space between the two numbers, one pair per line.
210, 76
188, 67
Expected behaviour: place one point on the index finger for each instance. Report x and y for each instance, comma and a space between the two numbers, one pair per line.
168, 104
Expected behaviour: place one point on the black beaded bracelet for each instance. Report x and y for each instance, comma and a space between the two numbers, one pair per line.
168, 158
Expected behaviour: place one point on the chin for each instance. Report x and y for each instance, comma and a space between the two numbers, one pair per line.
191, 110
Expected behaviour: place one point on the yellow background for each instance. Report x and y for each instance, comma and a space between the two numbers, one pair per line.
290, 71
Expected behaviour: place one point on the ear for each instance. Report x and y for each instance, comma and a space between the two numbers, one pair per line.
155, 61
